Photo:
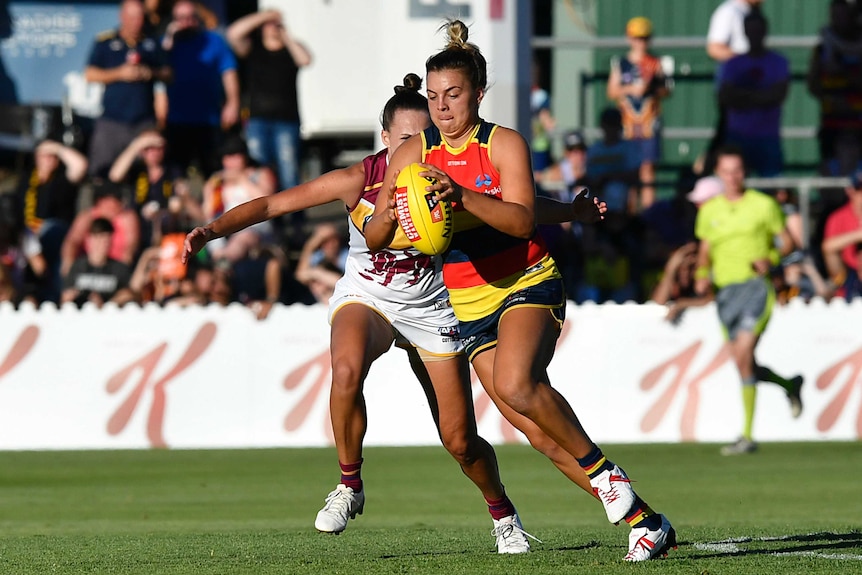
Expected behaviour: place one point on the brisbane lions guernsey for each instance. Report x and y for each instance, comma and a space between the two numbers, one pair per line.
483, 265
398, 273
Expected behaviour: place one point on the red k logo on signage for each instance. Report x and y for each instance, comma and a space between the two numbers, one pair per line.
145, 366
319, 370
19, 350
682, 382
851, 366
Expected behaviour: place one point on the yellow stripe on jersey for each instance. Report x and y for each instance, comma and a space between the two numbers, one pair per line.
476, 302
364, 210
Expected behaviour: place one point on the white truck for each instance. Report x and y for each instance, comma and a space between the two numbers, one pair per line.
363, 48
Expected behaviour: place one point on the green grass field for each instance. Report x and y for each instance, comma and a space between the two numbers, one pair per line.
791, 508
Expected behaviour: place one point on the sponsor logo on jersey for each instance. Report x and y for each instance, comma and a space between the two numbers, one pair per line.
483, 180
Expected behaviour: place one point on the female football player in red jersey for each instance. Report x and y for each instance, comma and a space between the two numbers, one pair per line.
503, 284
395, 294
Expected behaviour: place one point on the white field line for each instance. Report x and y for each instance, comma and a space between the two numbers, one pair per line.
731, 546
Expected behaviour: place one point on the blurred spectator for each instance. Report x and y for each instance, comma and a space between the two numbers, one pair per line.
262, 40
196, 287
49, 199
237, 183
321, 263
726, 36
158, 274
753, 87
108, 203
676, 288
221, 292
570, 171
668, 225
7, 285
542, 122
22, 265
841, 237
725, 39
158, 16
853, 286
562, 181
613, 165
797, 274
613, 251
257, 281
204, 94
637, 84
607, 271
131, 66
835, 80
142, 168
96, 277
273, 58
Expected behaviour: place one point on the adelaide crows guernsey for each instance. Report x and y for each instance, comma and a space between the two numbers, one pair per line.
483, 265
398, 273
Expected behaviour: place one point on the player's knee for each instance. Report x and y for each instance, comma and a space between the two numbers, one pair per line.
514, 393
346, 377
460, 448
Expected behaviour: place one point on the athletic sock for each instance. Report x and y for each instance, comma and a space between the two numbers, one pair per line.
763, 373
594, 462
749, 398
499, 508
351, 475
642, 515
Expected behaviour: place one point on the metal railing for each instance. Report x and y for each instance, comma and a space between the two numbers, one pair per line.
804, 186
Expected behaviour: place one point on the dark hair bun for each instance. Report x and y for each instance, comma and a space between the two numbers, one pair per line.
412, 83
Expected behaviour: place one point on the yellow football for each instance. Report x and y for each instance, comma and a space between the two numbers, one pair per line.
426, 221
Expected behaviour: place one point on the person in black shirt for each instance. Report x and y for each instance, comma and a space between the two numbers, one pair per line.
48, 196
273, 58
95, 277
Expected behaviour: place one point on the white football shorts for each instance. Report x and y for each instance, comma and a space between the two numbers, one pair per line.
431, 327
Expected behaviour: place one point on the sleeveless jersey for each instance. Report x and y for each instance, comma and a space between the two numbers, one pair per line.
399, 273
640, 115
483, 266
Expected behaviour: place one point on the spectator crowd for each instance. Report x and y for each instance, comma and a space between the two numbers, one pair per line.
185, 136
644, 248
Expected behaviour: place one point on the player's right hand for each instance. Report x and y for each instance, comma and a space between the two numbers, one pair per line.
194, 242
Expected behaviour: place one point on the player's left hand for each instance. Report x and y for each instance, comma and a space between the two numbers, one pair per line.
587, 209
446, 188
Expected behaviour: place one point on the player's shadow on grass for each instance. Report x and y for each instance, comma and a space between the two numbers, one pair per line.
786, 544
538, 547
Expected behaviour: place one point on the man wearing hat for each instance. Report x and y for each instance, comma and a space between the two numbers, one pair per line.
637, 84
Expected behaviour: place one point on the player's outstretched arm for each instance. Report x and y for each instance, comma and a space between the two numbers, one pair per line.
583, 208
344, 184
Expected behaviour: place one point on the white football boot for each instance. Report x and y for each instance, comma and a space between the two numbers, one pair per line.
510, 534
646, 543
614, 489
342, 504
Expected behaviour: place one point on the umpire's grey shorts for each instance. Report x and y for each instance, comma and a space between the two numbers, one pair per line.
745, 306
